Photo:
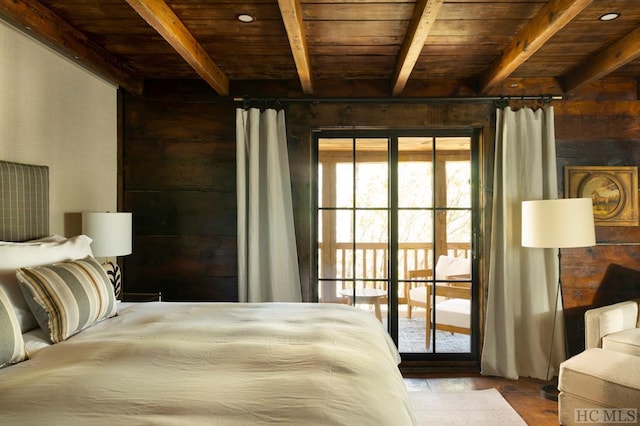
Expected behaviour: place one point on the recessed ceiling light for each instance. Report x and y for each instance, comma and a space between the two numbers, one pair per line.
609, 16
245, 18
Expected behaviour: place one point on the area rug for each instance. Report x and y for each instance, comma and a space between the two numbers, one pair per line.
411, 338
478, 407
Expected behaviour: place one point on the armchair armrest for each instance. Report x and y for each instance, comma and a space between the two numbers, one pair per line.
416, 274
458, 277
420, 273
452, 292
609, 319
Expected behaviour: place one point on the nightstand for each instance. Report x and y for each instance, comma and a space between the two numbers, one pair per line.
142, 297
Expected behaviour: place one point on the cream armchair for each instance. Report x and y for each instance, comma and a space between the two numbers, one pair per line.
452, 301
615, 327
447, 268
606, 376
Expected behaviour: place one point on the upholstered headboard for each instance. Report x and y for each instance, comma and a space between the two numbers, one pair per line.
24, 201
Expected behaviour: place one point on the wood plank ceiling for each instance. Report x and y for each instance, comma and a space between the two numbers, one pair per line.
484, 46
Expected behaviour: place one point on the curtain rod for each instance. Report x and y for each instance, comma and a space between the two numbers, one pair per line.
544, 98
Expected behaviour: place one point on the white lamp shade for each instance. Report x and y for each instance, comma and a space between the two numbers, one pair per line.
110, 232
561, 223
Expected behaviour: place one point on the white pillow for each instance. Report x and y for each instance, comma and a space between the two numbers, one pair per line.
50, 239
35, 253
448, 265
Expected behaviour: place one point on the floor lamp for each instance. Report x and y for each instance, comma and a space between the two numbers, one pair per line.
560, 223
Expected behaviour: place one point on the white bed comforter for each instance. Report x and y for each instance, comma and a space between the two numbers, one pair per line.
214, 364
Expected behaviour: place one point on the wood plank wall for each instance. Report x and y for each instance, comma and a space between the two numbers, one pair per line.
178, 155
598, 133
179, 181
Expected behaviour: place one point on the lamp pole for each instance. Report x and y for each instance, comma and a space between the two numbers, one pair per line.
557, 223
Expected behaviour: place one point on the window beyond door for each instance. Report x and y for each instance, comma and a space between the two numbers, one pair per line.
395, 225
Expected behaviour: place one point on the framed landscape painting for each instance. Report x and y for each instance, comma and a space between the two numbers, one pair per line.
613, 189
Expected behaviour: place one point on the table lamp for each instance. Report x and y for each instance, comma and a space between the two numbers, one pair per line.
111, 235
559, 223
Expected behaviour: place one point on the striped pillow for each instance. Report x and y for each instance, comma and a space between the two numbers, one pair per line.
11, 343
68, 297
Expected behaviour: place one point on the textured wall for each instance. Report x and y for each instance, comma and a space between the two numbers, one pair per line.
54, 113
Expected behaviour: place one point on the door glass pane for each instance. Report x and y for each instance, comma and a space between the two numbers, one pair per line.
415, 259
415, 183
344, 185
452, 323
372, 240
371, 296
372, 173
335, 158
372, 189
458, 184
320, 185
459, 233
344, 243
415, 240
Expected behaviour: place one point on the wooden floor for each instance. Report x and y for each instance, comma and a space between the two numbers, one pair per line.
523, 394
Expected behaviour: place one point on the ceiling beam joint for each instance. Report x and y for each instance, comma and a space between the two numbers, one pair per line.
613, 57
550, 19
162, 18
424, 15
292, 17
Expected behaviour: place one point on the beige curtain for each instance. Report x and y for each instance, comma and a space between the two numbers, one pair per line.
267, 254
523, 282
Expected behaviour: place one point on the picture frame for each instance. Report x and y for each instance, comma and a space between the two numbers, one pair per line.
613, 189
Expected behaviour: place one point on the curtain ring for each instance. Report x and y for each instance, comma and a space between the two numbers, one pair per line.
502, 102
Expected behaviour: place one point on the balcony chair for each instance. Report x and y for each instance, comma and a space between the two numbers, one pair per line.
453, 300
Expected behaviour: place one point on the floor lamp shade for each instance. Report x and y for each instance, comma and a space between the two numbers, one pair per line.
110, 232
560, 223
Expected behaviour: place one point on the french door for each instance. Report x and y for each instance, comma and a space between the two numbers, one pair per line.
395, 234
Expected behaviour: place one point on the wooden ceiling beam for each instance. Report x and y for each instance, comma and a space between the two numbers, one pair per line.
44, 25
162, 18
292, 17
424, 15
550, 19
613, 57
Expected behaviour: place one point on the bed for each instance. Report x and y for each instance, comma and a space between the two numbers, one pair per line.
178, 363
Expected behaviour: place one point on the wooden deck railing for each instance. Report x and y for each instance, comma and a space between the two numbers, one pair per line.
371, 261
